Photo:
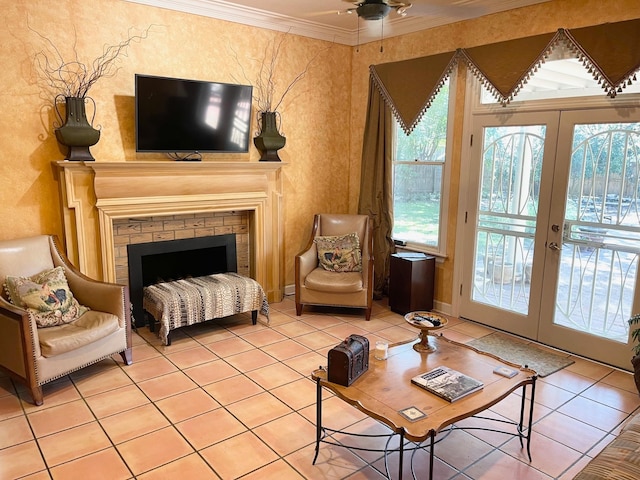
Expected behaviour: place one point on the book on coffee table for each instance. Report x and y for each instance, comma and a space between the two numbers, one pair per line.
447, 383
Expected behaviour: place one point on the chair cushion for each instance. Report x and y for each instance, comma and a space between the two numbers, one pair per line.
90, 327
326, 281
46, 296
339, 253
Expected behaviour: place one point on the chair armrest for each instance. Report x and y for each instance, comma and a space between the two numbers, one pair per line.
306, 262
101, 296
18, 339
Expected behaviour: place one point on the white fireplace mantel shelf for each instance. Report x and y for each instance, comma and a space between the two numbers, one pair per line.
94, 194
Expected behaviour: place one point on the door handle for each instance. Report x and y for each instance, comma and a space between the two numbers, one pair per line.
554, 246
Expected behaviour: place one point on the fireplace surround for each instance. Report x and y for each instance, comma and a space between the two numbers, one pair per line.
94, 195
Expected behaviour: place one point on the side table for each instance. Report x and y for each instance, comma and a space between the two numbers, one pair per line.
411, 281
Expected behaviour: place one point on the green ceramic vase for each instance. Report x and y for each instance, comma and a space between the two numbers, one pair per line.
76, 132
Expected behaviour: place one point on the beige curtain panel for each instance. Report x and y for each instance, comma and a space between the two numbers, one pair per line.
610, 52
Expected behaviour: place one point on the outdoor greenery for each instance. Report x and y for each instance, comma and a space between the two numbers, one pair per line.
634, 323
417, 175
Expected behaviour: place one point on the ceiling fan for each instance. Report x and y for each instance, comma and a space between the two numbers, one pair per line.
376, 9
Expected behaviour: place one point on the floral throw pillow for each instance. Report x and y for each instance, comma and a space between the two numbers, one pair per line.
46, 296
340, 253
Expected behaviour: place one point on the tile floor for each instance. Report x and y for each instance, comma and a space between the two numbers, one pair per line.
231, 400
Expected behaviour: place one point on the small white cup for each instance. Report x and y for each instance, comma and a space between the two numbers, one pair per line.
382, 350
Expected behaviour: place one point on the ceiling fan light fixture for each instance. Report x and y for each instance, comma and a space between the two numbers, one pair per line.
373, 11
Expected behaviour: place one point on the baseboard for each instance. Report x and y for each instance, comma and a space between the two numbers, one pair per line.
289, 289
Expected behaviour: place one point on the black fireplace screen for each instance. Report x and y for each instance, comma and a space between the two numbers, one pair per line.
156, 262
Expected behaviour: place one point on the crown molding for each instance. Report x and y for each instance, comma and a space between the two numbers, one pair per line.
364, 32
255, 17
232, 12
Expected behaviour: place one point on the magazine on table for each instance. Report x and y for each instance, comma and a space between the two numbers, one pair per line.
447, 383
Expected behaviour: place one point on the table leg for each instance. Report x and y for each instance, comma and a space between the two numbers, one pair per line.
431, 453
401, 453
533, 396
318, 419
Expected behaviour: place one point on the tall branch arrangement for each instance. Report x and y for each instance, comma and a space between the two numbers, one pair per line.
267, 94
75, 77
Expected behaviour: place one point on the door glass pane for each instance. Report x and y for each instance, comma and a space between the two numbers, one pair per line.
601, 235
507, 212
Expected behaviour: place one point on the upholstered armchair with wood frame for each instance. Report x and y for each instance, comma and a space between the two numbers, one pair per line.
336, 267
53, 319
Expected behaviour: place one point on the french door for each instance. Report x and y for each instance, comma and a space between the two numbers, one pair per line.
553, 212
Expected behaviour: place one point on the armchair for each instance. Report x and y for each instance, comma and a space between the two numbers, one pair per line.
317, 286
35, 356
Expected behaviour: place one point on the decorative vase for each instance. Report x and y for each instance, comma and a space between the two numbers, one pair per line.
76, 132
269, 140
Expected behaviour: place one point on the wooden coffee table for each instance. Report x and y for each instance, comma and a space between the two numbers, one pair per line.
385, 391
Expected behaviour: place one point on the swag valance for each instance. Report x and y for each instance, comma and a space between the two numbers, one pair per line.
610, 52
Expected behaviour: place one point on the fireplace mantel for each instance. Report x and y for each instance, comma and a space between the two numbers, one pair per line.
94, 194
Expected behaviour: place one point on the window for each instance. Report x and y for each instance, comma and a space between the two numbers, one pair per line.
419, 168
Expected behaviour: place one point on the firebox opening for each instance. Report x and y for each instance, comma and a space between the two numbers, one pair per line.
155, 262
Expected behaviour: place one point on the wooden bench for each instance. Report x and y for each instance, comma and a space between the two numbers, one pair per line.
188, 301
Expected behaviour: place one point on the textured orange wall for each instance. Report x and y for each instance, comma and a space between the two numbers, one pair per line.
323, 118
541, 18
315, 115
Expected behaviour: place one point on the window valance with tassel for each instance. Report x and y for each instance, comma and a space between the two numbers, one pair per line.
610, 53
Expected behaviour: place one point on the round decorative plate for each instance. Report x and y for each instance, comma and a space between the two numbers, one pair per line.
426, 320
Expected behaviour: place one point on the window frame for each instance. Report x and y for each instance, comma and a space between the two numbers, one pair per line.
441, 249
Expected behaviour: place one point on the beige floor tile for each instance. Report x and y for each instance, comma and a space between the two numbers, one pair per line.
238, 455
186, 405
273, 376
593, 413
258, 410
211, 427
499, 466
568, 431
57, 392
230, 346
151, 368
13, 431
73, 443
211, 372
116, 401
103, 465
298, 394
307, 362
613, 397
247, 361
343, 330
264, 337
166, 385
317, 340
103, 382
332, 462
278, 469
287, 434
189, 467
285, 349
294, 329
233, 389
134, 423
58, 418
192, 357
154, 450
556, 457
20, 460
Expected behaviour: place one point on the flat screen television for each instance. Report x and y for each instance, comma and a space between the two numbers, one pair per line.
178, 115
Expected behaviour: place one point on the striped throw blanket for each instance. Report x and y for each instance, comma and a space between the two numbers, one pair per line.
193, 300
